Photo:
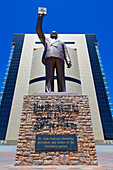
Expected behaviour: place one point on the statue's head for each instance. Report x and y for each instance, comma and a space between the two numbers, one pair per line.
54, 35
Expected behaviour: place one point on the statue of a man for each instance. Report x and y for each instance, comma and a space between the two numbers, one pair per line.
53, 57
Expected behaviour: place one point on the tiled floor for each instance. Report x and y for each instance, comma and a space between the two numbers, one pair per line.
104, 154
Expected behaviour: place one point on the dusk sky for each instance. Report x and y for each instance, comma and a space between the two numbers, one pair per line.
63, 16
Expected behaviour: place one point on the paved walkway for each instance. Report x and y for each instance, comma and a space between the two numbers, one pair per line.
104, 154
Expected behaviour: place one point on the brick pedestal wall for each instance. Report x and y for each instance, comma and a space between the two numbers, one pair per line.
32, 124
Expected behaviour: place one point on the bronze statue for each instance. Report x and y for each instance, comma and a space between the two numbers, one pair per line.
53, 57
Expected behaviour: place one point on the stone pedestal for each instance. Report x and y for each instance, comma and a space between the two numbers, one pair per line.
56, 114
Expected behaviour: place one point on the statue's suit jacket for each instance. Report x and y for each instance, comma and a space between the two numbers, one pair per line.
55, 48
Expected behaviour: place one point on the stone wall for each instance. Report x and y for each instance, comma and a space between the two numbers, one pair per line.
32, 124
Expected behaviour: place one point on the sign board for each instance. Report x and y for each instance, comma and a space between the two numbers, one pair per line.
56, 143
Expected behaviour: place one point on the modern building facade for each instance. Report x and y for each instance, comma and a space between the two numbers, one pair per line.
25, 75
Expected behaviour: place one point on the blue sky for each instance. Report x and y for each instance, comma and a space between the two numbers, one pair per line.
67, 17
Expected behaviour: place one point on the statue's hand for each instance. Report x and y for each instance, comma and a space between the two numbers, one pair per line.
69, 64
41, 15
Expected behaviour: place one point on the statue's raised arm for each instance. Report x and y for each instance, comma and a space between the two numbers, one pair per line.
39, 28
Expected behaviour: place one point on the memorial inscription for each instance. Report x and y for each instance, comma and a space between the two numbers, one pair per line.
55, 116
56, 143
60, 112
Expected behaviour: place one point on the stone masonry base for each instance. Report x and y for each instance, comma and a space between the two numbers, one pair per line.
31, 124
